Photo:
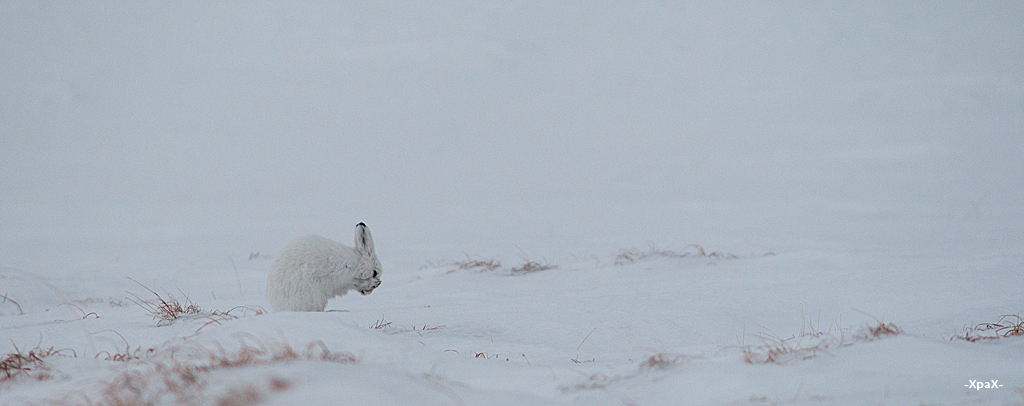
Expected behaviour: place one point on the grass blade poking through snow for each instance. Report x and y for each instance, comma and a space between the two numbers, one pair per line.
471, 264
180, 374
1008, 325
165, 310
690, 251
576, 359
27, 363
809, 343
530, 267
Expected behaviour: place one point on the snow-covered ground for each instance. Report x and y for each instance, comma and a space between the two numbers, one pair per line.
843, 167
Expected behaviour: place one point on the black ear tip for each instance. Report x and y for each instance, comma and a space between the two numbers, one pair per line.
361, 224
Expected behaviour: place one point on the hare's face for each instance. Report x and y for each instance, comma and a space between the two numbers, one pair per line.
368, 277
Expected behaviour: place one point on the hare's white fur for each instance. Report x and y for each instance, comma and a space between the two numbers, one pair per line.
312, 269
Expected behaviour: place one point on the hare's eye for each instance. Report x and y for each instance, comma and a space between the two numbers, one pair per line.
375, 273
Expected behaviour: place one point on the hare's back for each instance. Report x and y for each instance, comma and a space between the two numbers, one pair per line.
312, 252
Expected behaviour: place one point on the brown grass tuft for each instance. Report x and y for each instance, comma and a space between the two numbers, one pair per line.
812, 342
783, 351
278, 384
656, 362
882, 330
244, 395
165, 310
530, 266
30, 363
480, 265
217, 317
690, 251
179, 376
595, 381
662, 361
380, 324
125, 355
252, 351
471, 264
1008, 325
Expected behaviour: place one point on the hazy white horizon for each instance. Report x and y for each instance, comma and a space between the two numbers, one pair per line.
145, 136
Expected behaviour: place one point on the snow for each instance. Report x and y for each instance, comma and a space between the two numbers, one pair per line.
842, 166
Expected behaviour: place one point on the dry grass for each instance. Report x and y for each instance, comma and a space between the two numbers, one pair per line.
380, 324
471, 264
168, 309
530, 266
180, 374
278, 384
149, 386
257, 352
656, 362
218, 317
576, 358
595, 381
391, 328
1008, 325
812, 342
881, 330
690, 251
662, 361
76, 307
774, 350
242, 395
481, 265
20, 363
6, 299
125, 355
165, 310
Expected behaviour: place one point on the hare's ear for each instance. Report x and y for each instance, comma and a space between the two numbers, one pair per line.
364, 241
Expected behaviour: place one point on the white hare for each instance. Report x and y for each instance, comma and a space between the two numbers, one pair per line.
312, 269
